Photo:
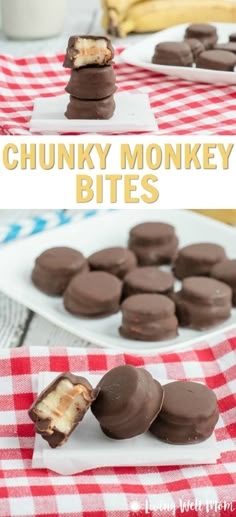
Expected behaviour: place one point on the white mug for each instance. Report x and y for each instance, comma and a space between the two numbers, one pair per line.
32, 19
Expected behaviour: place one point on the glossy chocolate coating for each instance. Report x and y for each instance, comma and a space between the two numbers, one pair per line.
129, 400
198, 259
100, 109
226, 272
148, 279
173, 53
92, 82
47, 426
148, 317
116, 261
189, 413
93, 294
55, 267
217, 60
196, 47
204, 32
100, 58
203, 303
153, 243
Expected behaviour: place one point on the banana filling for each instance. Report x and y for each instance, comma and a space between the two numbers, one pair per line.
62, 405
90, 51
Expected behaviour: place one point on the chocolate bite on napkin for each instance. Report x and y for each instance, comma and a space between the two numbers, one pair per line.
60, 407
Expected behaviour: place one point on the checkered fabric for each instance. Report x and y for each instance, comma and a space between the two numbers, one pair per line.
115, 492
180, 107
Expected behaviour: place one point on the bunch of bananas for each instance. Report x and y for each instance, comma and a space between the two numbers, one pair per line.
124, 16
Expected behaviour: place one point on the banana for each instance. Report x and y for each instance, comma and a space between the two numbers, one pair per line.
154, 15
121, 6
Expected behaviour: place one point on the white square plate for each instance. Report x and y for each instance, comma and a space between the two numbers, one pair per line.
89, 448
141, 54
48, 116
89, 235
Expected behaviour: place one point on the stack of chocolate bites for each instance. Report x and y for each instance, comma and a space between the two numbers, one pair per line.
92, 82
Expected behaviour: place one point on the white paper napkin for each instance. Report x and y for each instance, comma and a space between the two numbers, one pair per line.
133, 113
89, 448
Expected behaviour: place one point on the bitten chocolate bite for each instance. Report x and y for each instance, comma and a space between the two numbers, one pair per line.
93, 294
153, 243
60, 407
204, 32
173, 53
217, 60
92, 82
226, 272
148, 317
117, 261
88, 50
189, 413
197, 259
55, 267
129, 400
202, 303
149, 279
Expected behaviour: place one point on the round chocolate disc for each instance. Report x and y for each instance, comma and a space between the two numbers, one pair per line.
189, 413
117, 261
93, 294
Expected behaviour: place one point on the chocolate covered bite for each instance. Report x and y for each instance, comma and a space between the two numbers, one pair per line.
173, 53
148, 317
232, 37
129, 400
55, 267
226, 272
198, 259
149, 279
99, 109
228, 47
153, 243
88, 50
92, 82
189, 413
196, 47
93, 294
117, 261
202, 303
60, 407
217, 60
204, 32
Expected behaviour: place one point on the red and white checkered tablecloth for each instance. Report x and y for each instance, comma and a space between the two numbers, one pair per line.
180, 107
116, 492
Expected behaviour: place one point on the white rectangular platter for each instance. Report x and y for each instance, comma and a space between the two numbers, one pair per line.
89, 448
141, 54
89, 235
48, 116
